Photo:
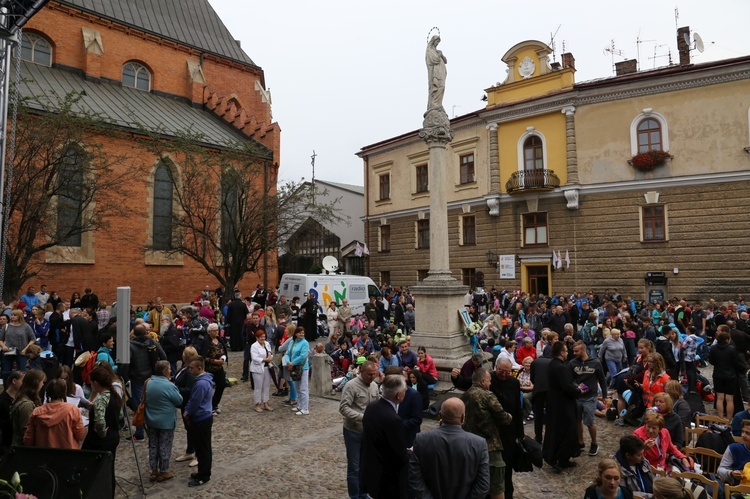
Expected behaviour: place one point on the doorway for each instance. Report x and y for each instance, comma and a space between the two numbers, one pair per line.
537, 279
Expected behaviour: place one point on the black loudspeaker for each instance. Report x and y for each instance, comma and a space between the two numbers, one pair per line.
60, 473
434, 408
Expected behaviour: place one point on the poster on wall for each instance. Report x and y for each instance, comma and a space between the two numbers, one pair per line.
507, 266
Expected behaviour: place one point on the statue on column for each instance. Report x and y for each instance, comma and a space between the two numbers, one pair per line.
436, 125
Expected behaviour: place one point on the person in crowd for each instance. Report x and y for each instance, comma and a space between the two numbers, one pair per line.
171, 341
270, 325
632, 379
104, 354
332, 344
450, 462
251, 327
527, 350
199, 414
9, 394
607, 483
672, 422
386, 360
384, 454
410, 409
144, 352
426, 366
296, 358
234, 322
103, 434
507, 389
406, 357
343, 356
670, 488
355, 397
636, 470
73, 389
735, 457
484, 417
162, 398
540, 382
508, 352
681, 407
25, 402
542, 343
184, 381
55, 424
613, 353
215, 357
527, 388
40, 325
668, 345
654, 379
560, 441
727, 367
415, 381
461, 378
14, 339
260, 367
587, 372
657, 441
332, 315
365, 342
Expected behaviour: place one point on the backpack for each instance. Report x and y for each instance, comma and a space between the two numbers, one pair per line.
153, 354
586, 334
86, 361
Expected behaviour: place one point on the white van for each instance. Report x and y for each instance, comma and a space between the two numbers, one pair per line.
327, 288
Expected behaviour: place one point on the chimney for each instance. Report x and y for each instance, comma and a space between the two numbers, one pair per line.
568, 61
683, 45
555, 66
626, 67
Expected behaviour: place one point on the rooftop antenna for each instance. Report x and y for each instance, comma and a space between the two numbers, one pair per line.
313, 175
552, 42
454, 110
613, 52
668, 54
696, 44
676, 19
638, 42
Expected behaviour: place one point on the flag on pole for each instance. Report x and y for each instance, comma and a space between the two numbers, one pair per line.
554, 260
358, 251
367, 251
559, 260
567, 259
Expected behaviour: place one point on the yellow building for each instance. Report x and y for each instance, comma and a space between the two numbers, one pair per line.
551, 166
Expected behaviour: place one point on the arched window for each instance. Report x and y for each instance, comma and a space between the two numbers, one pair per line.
36, 49
136, 75
163, 194
533, 153
649, 135
230, 211
70, 199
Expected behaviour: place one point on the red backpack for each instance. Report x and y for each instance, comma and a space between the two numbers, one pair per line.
87, 365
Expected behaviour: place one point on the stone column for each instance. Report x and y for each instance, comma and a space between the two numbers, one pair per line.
493, 199
570, 144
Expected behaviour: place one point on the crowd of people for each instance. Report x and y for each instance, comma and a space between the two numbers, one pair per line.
580, 357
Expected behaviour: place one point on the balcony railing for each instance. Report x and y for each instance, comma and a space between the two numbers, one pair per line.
532, 180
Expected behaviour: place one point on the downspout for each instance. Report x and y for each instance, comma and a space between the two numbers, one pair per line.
265, 245
367, 212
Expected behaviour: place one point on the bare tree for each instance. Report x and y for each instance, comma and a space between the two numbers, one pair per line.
64, 184
229, 213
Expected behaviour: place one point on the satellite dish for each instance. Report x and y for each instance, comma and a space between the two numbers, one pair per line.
330, 264
686, 37
698, 42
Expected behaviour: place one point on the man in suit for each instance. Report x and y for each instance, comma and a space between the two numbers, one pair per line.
410, 409
384, 455
234, 321
450, 462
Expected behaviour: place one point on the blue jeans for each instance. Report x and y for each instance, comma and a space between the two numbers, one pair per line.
613, 367
136, 391
7, 363
353, 443
591, 349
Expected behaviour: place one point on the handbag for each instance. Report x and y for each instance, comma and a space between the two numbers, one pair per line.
522, 460
295, 372
139, 418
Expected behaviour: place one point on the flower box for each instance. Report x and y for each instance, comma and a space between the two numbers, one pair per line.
647, 161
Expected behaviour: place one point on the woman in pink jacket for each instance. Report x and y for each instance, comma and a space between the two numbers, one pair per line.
426, 366
659, 446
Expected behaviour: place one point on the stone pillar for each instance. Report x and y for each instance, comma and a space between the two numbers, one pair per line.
494, 159
570, 144
320, 376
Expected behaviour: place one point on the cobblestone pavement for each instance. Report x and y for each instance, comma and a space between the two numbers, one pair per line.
281, 455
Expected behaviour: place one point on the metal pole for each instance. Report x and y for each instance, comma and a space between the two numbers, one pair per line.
6, 50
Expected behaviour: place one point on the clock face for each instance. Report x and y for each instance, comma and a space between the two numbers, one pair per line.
526, 68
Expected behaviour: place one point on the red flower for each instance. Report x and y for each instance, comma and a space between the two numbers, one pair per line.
647, 161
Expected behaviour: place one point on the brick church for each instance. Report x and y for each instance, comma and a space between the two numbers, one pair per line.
169, 66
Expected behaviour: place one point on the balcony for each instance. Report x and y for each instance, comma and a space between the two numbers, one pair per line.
532, 180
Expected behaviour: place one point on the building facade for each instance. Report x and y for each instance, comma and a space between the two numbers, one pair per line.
165, 67
637, 181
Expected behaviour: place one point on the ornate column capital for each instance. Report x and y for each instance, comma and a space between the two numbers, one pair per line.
492, 127
568, 110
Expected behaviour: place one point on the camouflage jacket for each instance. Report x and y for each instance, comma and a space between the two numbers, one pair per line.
484, 415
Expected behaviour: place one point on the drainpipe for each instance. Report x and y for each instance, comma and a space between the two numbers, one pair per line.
367, 214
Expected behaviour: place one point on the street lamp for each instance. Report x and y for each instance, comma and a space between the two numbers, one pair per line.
490, 257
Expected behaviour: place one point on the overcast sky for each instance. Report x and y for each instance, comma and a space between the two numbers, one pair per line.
346, 74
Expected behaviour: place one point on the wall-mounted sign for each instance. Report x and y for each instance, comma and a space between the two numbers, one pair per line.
507, 266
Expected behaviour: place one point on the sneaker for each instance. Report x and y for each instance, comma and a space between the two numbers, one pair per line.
593, 450
289, 403
218, 410
619, 422
185, 457
214, 412
302, 412
139, 440
193, 463
197, 482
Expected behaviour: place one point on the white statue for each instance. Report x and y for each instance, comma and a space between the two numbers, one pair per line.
436, 73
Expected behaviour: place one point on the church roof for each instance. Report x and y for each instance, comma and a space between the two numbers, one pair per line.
127, 108
190, 22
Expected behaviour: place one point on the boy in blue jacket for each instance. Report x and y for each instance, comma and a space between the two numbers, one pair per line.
200, 420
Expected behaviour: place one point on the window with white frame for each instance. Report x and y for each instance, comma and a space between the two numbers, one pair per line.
36, 49
649, 131
654, 223
535, 229
136, 75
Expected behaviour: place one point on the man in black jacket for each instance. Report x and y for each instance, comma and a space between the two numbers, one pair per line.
507, 389
235, 320
587, 371
539, 394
